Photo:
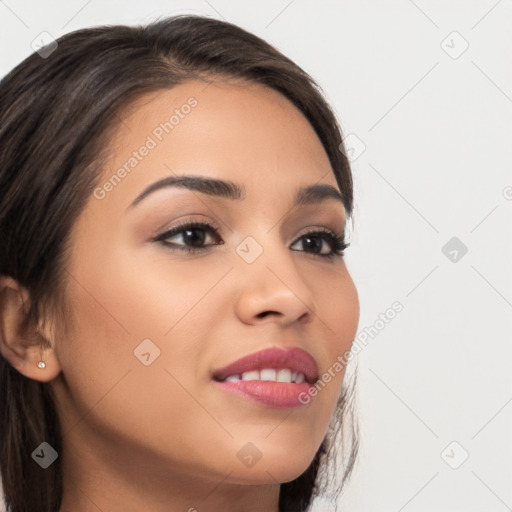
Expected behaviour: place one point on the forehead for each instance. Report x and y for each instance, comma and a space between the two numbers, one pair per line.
242, 132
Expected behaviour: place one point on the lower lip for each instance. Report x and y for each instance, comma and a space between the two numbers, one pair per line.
280, 395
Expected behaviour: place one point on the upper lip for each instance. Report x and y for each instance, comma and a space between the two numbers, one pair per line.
295, 359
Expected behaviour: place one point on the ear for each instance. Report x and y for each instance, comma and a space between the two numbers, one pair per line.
20, 342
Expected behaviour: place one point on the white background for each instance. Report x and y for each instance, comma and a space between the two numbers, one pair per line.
435, 127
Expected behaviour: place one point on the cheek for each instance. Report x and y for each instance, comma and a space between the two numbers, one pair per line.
338, 313
121, 398
142, 297
117, 303
345, 314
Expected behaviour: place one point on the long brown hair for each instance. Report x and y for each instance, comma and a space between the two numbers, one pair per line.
55, 113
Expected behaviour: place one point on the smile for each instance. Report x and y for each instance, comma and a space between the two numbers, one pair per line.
269, 374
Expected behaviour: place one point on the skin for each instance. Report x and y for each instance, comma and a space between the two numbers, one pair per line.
163, 437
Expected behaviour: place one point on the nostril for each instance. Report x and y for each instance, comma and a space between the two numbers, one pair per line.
265, 313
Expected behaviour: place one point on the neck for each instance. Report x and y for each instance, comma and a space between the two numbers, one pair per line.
112, 479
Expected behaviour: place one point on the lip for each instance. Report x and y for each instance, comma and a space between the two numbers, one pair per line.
295, 359
279, 395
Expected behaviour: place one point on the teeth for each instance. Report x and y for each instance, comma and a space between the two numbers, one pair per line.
268, 375
282, 375
254, 375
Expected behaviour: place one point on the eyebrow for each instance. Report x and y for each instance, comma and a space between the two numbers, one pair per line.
312, 194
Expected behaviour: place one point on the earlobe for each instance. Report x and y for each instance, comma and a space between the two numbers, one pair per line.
24, 347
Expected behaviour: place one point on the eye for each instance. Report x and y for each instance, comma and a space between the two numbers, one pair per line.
323, 243
192, 234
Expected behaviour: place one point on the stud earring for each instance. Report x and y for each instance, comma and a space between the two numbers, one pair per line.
41, 364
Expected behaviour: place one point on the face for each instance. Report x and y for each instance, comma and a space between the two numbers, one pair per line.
155, 314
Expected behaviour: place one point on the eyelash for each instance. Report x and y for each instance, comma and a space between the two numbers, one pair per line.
337, 242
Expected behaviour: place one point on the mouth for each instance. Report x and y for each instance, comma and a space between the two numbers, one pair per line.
274, 377
268, 374
273, 364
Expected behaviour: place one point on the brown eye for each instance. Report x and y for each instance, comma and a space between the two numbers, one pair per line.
316, 242
193, 236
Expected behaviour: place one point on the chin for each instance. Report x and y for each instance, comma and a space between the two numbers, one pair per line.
275, 466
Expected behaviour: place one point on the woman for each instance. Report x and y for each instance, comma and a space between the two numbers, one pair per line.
173, 297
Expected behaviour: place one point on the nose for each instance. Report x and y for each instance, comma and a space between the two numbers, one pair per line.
273, 290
